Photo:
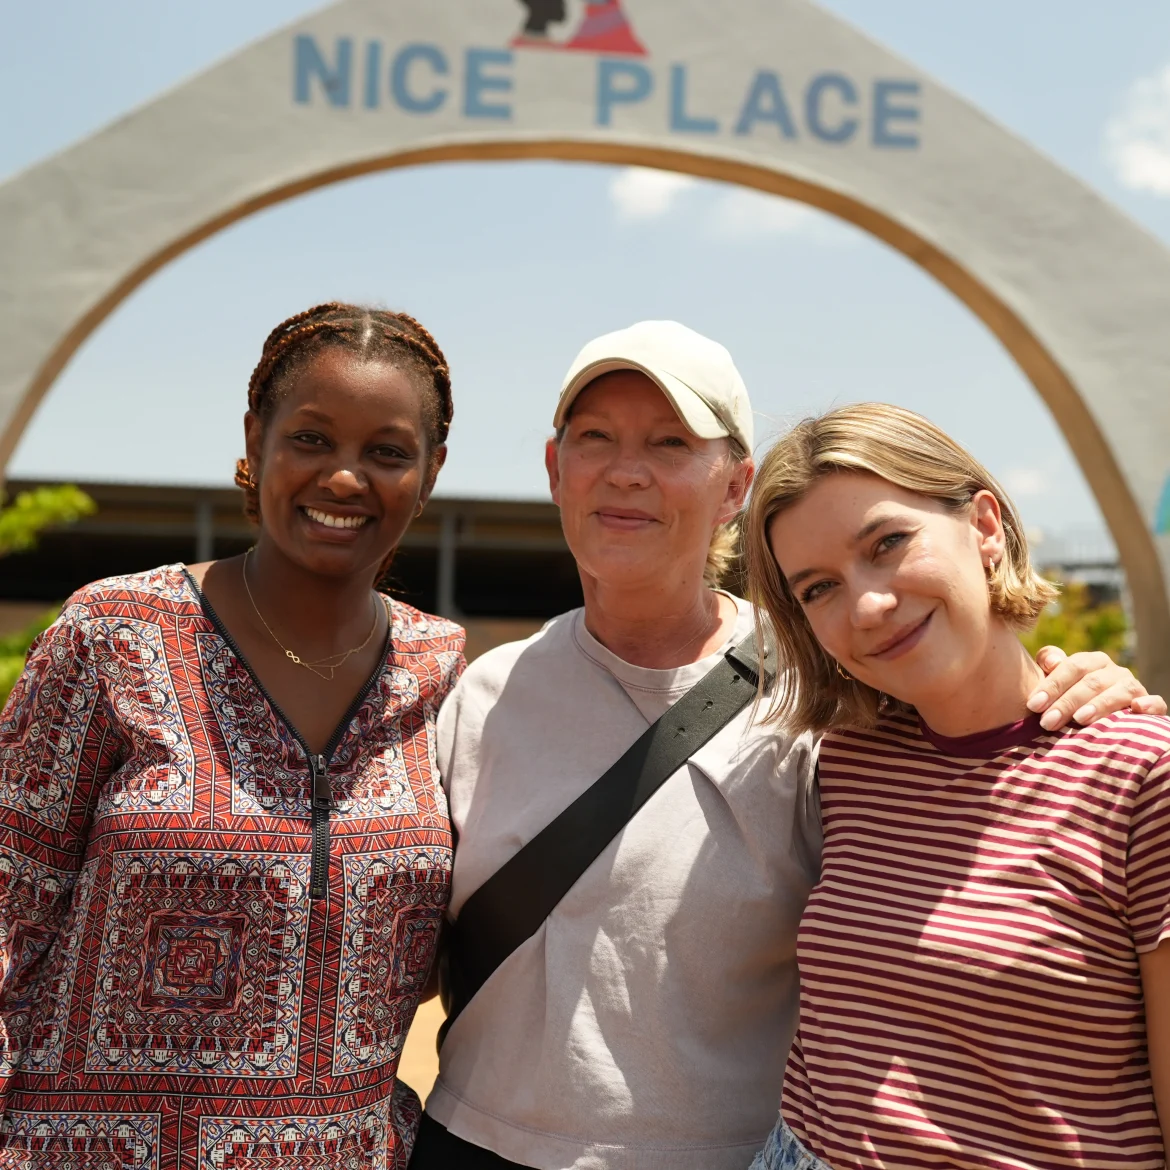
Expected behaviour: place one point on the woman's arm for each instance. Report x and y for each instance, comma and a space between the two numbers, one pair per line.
56, 743
1155, 967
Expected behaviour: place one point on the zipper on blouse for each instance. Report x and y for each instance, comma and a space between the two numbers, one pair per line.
321, 807
321, 796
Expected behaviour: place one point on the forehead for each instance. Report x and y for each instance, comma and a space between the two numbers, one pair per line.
840, 504
337, 370
624, 391
342, 384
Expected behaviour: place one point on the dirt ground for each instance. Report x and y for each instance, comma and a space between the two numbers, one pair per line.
420, 1060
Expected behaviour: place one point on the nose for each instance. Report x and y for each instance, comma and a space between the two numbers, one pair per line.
628, 469
872, 607
344, 481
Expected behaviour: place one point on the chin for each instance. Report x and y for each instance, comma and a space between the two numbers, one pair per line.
619, 571
326, 560
915, 685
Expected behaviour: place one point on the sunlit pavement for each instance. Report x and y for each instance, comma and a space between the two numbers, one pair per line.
420, 1060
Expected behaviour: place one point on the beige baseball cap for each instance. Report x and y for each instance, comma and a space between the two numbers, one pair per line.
694, 372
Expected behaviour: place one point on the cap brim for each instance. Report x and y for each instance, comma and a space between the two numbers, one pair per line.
696, 415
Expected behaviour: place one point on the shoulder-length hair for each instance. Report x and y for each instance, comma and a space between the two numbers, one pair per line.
904, 449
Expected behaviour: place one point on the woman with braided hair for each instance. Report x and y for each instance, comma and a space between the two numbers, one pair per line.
224, 853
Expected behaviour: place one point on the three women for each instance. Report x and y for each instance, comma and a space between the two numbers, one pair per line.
225, 854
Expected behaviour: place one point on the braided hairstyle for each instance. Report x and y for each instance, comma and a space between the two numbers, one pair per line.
368, 333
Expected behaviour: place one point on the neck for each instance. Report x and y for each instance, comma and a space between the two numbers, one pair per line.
993, 695
656, 628
313, 615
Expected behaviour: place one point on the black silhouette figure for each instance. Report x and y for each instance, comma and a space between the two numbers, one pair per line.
542, 13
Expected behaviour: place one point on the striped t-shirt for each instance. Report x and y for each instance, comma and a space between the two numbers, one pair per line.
970, 993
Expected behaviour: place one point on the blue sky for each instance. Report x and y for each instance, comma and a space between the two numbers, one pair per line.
514, 266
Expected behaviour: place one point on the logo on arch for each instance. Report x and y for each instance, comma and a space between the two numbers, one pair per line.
579, 26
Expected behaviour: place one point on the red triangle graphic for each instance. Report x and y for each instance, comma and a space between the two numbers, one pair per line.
605, 29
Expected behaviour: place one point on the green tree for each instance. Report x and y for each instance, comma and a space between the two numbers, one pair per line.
21, 524
22, 521
1073, 623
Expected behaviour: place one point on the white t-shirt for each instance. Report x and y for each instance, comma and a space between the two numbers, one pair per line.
645, 1026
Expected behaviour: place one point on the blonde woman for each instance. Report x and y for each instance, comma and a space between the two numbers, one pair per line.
985, 962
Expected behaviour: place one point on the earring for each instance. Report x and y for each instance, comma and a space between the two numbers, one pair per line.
993, 572
843, 674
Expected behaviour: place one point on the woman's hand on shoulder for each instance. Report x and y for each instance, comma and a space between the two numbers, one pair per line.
1085, 687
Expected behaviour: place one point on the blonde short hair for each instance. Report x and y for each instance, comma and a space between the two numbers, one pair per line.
904, 449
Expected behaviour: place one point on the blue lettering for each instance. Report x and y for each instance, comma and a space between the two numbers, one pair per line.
479, 83
373, 75
680, 121
814, 112
310, 63
766, 103
885, 112
404, 97
637, 85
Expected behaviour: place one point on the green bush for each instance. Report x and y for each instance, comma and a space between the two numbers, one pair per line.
1073, 623
21, 523
14, 650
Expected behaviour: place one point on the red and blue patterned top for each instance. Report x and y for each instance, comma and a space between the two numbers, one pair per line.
171, 996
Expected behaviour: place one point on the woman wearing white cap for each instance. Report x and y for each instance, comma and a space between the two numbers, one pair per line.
642, 1019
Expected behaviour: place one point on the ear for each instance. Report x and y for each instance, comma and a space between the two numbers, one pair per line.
435, 461
987, 520
253, 442
553, 467
738, 485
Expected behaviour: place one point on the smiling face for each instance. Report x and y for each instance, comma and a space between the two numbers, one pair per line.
640, 496
342, 463
893, 583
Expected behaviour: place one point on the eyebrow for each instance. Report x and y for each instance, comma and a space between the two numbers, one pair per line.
872, 527
321, 416
802, 575
868, 530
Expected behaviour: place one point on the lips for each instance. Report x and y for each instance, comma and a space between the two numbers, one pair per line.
624, 514
624, 519
334, 519
903, 641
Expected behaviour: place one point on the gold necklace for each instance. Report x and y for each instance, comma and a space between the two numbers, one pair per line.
320, 665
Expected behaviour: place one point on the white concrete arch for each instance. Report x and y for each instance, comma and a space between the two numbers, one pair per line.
778, 95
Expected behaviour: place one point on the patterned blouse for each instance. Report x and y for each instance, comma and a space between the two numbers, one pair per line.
172, 996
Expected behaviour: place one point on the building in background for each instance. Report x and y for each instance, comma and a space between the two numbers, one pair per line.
1082, 557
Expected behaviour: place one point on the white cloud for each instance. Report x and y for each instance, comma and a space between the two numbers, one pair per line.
1137, 138
1025, 481
640, 193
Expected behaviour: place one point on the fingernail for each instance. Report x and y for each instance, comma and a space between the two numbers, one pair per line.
1038, 701
1085, 713
1050, 719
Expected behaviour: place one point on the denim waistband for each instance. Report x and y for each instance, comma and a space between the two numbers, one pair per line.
784, 1151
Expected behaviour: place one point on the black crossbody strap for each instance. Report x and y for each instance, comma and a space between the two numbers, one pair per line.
511, 905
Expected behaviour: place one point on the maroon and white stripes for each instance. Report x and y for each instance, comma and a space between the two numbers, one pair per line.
970, 995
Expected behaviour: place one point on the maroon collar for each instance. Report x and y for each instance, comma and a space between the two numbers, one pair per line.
985, 744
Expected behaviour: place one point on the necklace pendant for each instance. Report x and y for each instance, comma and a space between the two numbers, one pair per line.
290, 654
